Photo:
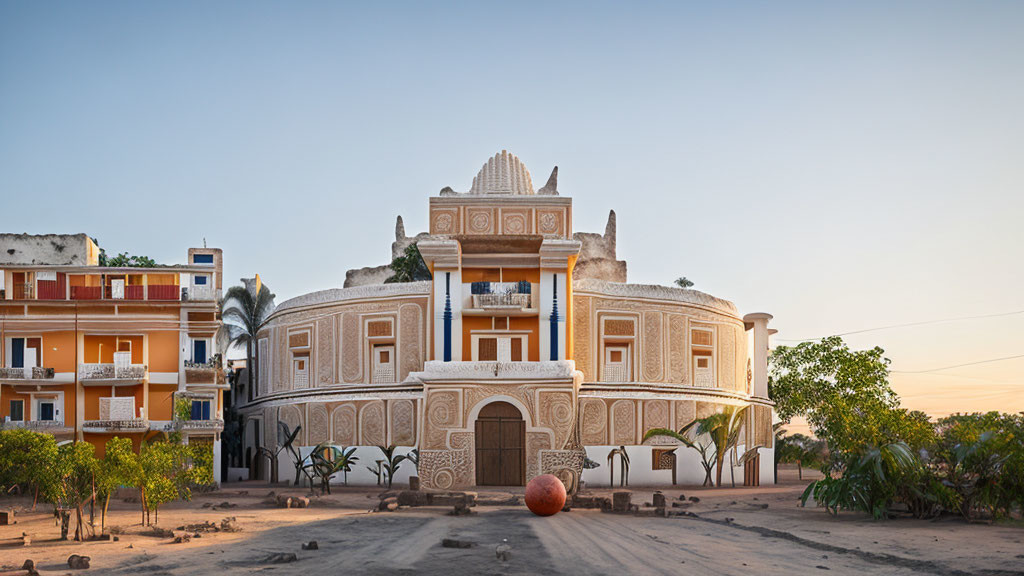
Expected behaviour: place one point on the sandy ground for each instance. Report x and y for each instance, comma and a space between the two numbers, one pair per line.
738, 531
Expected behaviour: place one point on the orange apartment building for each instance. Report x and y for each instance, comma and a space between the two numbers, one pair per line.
92, 352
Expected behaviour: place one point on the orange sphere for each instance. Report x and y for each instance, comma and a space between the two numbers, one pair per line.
545, 495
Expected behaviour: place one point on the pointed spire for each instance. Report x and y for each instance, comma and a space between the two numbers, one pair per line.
551, 188
609, 230
399, 229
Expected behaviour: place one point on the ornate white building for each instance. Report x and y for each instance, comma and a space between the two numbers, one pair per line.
526, 351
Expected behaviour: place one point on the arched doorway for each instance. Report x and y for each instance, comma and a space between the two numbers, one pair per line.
500, 446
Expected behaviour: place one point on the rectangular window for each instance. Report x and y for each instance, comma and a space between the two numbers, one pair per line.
200, 410
17, 352
199, 351
17, 410
517, 349
383, 363
488, 350
616, 367
46, 411
201, 280
202, 258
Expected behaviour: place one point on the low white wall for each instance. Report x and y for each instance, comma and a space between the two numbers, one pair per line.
689, 471
359, 476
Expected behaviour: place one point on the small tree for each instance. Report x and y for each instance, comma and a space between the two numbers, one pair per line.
68, 483
683, 282
409, 267
118, 468
28, 458
391, 462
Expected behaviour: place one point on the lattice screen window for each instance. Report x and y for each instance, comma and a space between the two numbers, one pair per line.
300, 371
122, 408
262, 374
383, 364
663, 459
487, 350
616, 366
702, 341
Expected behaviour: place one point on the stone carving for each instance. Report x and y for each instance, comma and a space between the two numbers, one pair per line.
763, 435
582, 337
652, 356
338, 295
557, 413
351, 350
443, 223
655, 414
551, 188
550, 223
343, 424
291, 416
403, 425
705, 409
677, 349
371, 424
442, 413
687, 296
503, 174
513, 224
595, 422
726, 359
535, 442
299, 339
317, 431
686, 412
325, 350
437, 370
411, 336
270, 428
623, 422
479, 221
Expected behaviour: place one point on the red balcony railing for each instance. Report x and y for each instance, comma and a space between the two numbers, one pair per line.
134, 292
164, 292
23, 291
87, 292
51, 290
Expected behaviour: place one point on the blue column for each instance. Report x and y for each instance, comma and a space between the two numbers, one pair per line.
447, 316
554, 317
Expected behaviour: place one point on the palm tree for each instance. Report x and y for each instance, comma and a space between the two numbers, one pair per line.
244, 310
723, 428
703, 448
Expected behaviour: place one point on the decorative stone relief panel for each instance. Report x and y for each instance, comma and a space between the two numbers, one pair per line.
763, 435
479, 221
371, 424
595, 422
281, 370
677, 349
515, 221
551, 222
343, 425
582, 337
656, 414
325, 351
686, 412
318, 427
445, 469
623, 422
476, 394
442, 413
351, 355
291, 416
705, 409
270, 428
412, 336
652, 356
556, 412
535, 442
444, 221
726, 359
403, 423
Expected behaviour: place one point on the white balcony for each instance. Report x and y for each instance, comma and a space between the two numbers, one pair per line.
111, 374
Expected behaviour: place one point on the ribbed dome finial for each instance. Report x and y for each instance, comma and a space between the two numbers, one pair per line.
503, 174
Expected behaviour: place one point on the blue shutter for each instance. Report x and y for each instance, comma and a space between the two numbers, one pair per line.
201, 280
197, 410
46, 411
206, 410
17, 352
199, 351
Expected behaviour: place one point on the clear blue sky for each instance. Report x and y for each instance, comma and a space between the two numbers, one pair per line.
840, 166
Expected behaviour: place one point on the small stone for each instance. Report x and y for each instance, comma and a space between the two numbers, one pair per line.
658, 500
76, 562
311, 545
183, 539
819, 567
455, 543
389, 504
682, 496
280, 558
414, 483
28, 565
503, 552
694, 499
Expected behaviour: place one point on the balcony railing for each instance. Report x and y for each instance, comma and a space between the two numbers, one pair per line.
131, 425
212, 425
209, 373
194, 293
23, 291
501, 294
87, 292
32, 373
111, 372
164, 292
34, 425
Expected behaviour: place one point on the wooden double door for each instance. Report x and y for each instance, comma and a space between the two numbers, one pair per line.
500, 446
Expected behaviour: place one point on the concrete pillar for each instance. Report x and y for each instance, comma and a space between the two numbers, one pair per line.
758, 322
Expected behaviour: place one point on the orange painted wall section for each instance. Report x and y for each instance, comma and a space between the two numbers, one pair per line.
531, 324
8, 394
59, 351
100, 349
163, 351
161, 401
470, 323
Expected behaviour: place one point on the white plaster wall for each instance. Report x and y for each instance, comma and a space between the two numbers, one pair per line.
545, 299
359, 476
689, 471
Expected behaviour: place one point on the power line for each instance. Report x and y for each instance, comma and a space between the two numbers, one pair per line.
890, 327
957, 365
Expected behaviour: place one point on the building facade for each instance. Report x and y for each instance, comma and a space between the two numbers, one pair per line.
92, 352
524, 354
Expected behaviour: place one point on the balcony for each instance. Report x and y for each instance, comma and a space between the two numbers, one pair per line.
117, 414
54, 427
212, 425
34, 374
208, 373
23, 291
163, 292
504, 297
87, 292
113, 426
200, 293
111, 373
